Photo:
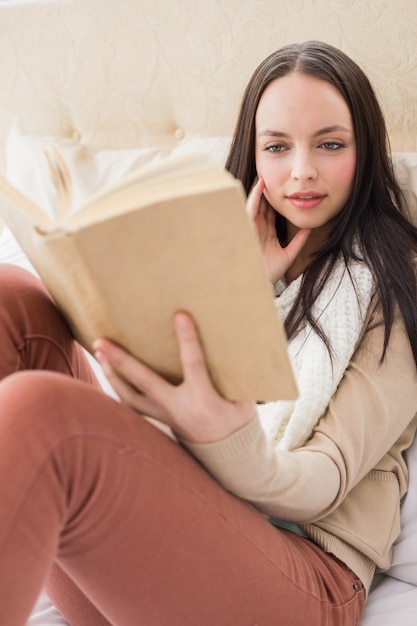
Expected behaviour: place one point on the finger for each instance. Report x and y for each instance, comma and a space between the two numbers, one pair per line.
191, 353
132, 397
116, 361
297, 243
254, 198
270, 217
124, 390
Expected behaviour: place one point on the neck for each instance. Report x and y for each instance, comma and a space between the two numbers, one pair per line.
315, 240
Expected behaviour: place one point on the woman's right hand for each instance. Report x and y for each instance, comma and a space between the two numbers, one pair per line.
278, 258
193, 409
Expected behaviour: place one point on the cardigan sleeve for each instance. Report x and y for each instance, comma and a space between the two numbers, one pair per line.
365, 420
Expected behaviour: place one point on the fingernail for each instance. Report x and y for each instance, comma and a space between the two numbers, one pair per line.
182, 321
99, 356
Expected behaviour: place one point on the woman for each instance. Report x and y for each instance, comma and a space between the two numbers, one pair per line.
255, 515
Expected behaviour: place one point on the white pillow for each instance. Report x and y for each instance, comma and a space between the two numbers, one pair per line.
27, 166
404, 564
405, 167
390, 603
44, 613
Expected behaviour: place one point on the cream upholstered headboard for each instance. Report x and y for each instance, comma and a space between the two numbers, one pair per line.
134, 73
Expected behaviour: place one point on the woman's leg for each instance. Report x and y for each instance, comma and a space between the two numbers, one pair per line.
33, 333
140, 527
71, 601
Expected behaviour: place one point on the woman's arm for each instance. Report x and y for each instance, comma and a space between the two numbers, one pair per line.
371, 408
293, 486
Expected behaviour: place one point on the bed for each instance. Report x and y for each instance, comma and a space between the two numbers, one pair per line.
119, 83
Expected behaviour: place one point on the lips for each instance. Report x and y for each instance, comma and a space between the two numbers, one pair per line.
306, 199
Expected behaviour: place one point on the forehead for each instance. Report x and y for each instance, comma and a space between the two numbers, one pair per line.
301, 101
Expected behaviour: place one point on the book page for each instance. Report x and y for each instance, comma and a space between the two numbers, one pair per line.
174, 177
22, 203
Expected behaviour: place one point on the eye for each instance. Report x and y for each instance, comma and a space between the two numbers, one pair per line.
275, 148
332, 146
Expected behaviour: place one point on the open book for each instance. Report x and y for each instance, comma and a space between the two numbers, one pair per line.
171, 236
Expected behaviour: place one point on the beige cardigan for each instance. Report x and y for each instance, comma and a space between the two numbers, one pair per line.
369, 423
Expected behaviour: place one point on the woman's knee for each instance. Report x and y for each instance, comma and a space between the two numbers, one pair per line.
51, 404
35, 421
36, 401
23, 296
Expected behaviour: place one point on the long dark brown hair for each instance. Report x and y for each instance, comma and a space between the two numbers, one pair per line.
373, 224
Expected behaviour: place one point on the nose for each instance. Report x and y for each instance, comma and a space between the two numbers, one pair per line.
303, 166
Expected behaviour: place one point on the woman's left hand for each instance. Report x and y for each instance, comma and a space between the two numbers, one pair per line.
279, 259
193, 409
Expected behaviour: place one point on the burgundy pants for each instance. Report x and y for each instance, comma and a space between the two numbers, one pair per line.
116, 519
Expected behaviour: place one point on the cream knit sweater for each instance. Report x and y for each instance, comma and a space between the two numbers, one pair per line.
341, 309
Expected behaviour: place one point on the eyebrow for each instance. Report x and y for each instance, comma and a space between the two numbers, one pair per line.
322, 131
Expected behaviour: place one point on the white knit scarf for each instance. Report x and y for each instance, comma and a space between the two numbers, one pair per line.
340, 309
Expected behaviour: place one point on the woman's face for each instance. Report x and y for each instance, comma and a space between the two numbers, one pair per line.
305, 151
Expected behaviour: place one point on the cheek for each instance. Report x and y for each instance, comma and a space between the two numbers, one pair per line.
269, 171
343, 173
